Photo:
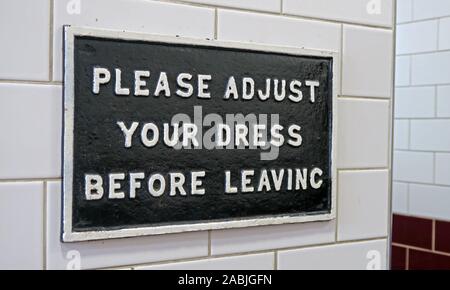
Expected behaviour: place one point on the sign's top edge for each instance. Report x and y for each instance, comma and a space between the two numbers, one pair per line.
72, 31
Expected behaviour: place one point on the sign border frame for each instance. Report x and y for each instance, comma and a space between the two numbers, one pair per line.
67, 233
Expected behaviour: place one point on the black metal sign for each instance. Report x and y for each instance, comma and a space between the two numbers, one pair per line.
168, 135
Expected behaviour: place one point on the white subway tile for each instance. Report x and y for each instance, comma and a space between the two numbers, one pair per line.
363, 133
424, 9
430, 68
363, 201
348, 256
417, 37
21, 225
24, 38
414, 102
30, 122
444, 33
430, 135
278, 30
260, 5
402, 70
367, 62
404, 10
271, 237
365, 12
443, 168
263, 261
401, 134
400, 198
443, 101
137, 16
429, 201
115, 252
413, 166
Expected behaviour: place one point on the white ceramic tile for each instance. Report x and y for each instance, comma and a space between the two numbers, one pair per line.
424, 9
429, 201
366, 12
363, 201
24, 38
413, 166
348, 256
363, 129
367, 62
417, 37
277, 30
263, 261
414, 102
430, 135
271, 237
404, 10
443, 168
402, 70
401, 134
400, 197
260, 5
137, 16
21, 225
443, 101
30, 122
115, 252
444, 33
430, 68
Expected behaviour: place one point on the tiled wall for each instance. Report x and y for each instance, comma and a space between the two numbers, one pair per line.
422, 110
419, 243
30, 121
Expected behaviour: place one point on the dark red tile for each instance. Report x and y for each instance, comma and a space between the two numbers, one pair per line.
412, 231
419, 260
442, 241
398, 258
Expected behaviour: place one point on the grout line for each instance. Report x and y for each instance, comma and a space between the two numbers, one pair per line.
407, 259
435, 102
336, 218
434, 168
421, 85
275, 260
216, 23
434, 51
409, 135
407, 198
30, 82
433, 235
410, 70
421, 249
50, 70
363, 169
209, 243
423, 183
421, 216
391, 138
276, 13
422, 151
281, 6
266, 251
423, 118
341, 60
44, 250
437, 32
31, 179
423, 20
364, 98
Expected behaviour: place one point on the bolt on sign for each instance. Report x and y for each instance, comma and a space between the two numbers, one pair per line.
166, 134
